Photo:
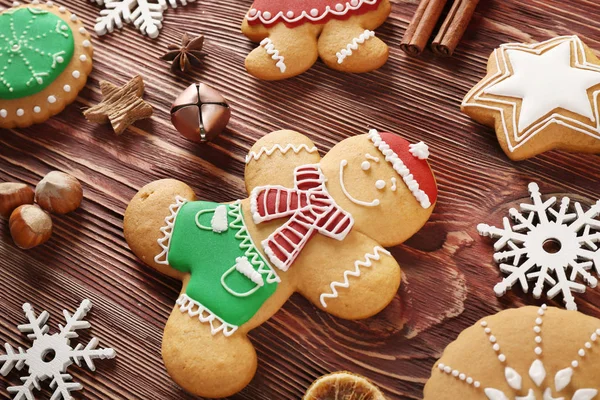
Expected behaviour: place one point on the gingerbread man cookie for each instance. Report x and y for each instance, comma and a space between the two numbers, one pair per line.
45, 59
314, 226
527, 353
539, 97
293, 34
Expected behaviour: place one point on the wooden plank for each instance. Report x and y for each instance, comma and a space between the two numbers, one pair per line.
448, 268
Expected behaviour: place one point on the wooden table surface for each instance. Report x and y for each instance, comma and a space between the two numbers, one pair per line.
448, 268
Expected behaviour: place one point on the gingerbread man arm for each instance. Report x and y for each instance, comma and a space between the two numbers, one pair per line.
273, 159
149, 219
352, 279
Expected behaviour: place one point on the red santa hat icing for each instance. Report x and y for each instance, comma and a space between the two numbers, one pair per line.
410, 162
294, 12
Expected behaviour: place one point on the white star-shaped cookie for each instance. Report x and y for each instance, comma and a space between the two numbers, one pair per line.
540, 97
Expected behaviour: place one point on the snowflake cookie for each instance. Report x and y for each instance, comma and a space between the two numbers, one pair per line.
45, 58
293, 34
50, 355
548, 245
145, 15
527, 353
539, 97
317, 226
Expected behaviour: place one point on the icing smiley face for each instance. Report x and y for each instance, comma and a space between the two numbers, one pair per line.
369, 166
410, 168
384, 181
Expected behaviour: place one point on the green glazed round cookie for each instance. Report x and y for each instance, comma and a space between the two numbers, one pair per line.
37, 47
45, 58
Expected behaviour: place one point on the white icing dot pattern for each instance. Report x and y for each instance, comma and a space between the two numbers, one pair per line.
537, 371
314, 15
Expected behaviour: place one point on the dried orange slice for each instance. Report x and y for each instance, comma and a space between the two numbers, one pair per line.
343, 386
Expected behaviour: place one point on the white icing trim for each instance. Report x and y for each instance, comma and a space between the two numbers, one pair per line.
353, 46
373, 203
353, 272
247, 244
193, 308
514, 135
256, 217
267, 43
419, 150
400, 168
219, 223
272, 257
266, 17
243, 266
167, 230
283, 150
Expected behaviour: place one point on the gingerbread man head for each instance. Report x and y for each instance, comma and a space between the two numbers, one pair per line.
310, 225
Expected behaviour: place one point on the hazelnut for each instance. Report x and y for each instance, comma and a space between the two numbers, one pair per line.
13, 195
59, 193
30, 226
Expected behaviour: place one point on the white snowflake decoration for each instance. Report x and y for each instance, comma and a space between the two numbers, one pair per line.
523, 253
50, 355
145, 15
537, 371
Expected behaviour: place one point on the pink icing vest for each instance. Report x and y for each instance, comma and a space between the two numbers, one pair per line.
298, 12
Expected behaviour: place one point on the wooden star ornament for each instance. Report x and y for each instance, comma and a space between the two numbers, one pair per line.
121, 106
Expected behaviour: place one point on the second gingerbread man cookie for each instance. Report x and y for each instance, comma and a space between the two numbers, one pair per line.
293, 34
314, 226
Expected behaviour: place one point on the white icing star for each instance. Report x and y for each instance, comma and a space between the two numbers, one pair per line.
546, 82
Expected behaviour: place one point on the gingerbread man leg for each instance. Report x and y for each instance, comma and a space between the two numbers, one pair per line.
283, 52
206, 365
147, 213
351, 45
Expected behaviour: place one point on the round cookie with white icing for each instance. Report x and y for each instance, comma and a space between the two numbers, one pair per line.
317, 226
527, 353
293, 34
540, 97
45, 59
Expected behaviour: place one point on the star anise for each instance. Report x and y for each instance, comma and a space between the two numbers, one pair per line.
187, 55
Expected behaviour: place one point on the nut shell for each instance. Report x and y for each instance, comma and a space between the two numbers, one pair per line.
343, 386
30, 226
59, 193
13, 195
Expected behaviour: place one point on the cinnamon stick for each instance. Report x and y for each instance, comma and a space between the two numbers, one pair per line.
421, 27
454, 27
